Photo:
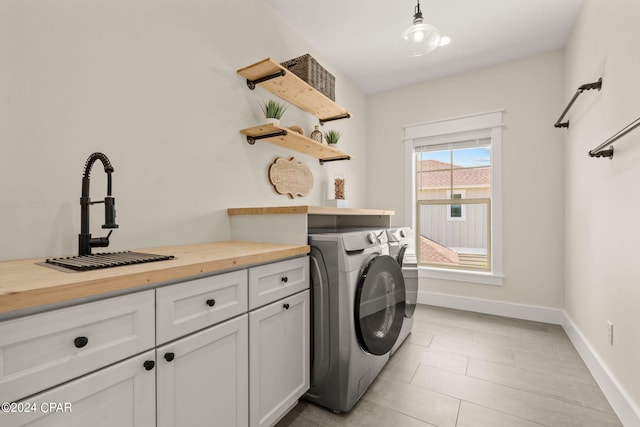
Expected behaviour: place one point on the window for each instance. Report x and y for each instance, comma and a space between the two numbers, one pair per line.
454, 188
455, 212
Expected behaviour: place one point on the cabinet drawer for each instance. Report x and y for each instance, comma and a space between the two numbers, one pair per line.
40, 351
270, 282
190, 306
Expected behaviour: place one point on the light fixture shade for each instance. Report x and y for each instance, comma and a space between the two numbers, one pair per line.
419, 39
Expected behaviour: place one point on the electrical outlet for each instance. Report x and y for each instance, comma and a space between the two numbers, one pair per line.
610, 331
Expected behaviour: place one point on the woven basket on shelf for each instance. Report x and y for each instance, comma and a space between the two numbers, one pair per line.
308, 69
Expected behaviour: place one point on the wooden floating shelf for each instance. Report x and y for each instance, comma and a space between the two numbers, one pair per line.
269, 74
287, 138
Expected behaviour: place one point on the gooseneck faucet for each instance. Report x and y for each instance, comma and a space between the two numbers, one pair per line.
85, 241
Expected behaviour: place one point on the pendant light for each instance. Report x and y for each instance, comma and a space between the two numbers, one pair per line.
420, 38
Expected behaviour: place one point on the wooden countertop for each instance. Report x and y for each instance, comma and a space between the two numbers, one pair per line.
311, 210
24, 284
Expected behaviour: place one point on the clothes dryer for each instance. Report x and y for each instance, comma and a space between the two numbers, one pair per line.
402, 247
357, 313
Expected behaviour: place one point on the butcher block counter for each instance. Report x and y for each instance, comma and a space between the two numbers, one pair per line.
24, 284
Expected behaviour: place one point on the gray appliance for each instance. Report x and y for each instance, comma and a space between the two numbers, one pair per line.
402, 247
357, 313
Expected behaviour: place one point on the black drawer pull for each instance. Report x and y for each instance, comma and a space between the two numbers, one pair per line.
81, 342
211, 302
285, 279
149, 364
286, 306
169, 356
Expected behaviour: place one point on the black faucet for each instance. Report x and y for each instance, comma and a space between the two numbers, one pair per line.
85, 241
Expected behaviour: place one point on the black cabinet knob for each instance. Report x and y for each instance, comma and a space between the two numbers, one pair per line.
211, 302
285, 279
80, 342
286, 306
169, 356
149, 364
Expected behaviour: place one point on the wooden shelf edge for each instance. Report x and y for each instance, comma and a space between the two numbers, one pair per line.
304, 209
293, 89
294, 141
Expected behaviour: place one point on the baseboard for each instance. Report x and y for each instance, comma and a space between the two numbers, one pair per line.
618, 398
498, 308
623, 406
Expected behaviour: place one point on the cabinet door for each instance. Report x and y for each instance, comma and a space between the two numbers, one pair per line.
270, 282
121, 395
203, 378
279, 358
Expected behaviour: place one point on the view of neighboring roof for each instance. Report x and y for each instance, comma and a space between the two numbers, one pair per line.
438, 175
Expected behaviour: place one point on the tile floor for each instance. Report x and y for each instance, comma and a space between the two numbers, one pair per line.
464, 369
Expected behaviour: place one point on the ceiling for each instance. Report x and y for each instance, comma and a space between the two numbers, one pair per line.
360, 37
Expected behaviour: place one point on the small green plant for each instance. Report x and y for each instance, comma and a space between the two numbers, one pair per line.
332, 136
273, 109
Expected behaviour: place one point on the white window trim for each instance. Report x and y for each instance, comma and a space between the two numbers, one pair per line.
439, 132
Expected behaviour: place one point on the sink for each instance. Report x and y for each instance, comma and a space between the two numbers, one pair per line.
106, 260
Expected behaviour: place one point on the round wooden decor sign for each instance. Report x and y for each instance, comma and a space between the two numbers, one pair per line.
290, 177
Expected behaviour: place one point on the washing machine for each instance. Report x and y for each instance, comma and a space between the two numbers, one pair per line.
402, 242
357, 313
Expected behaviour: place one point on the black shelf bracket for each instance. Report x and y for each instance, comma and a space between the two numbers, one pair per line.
602, 150
587, 86
323, 161
252, 139
252, 83
330, 119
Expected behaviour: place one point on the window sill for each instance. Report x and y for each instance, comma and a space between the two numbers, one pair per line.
477, 277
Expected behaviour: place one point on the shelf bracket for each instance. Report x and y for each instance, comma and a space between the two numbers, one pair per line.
330, 119
252, 83
322, 162
252, 139
587, 86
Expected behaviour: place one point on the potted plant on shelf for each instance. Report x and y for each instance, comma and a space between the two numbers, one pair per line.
332, 137
273, 110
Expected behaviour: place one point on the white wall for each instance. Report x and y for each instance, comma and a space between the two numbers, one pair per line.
531, 92
602, 197
153, 85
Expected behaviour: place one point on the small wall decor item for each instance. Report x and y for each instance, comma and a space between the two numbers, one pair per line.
290, 177
316, 135
332, 136
273, 110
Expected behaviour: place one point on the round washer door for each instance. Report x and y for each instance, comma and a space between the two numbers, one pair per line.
379, 305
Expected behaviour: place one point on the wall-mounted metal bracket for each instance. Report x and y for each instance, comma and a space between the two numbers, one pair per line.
252, 83
322, 162
340, 117
252, 139
587, 86
603, 153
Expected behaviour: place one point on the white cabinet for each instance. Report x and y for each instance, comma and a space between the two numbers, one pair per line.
277, 280
44, 350
202, 379
194, 349
186, 307
121, 395
279, 357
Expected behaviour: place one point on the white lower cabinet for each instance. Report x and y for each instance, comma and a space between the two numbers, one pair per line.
278, 358
121, 395
209, 362
202, 379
